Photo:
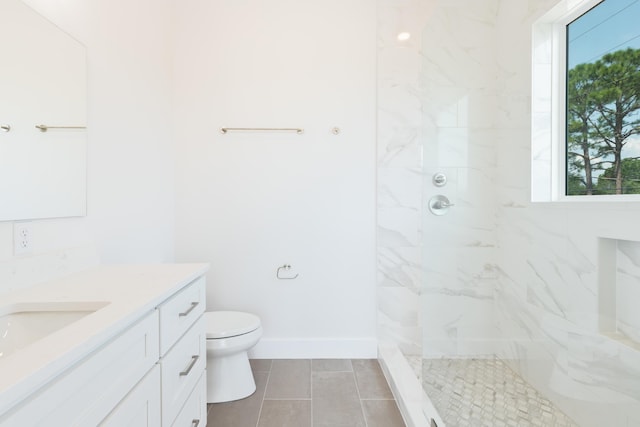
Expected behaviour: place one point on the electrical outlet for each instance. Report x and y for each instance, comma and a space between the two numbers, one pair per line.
22, 238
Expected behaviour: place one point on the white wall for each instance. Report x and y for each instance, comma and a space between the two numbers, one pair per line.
251, 202
248, 204
130, 151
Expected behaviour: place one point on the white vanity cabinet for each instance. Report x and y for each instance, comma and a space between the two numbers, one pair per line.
141, 407
151, 374
180, 384
85, 394
182, 351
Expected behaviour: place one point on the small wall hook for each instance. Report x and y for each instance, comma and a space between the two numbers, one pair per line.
5, 128
285, 267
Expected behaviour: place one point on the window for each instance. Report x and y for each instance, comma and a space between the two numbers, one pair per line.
603, 100
586, 102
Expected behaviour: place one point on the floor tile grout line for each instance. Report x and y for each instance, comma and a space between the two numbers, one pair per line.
382, 399
263, 396
331, 370
355, 380
311, 392
304, 399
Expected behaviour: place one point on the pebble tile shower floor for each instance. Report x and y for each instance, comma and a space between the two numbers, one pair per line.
486, 392
312, 393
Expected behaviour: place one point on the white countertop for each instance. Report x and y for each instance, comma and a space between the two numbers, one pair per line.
131, 291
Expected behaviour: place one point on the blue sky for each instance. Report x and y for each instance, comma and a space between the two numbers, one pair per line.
610, 26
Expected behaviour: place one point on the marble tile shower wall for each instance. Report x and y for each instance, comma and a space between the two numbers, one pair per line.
498, 274
459, 98
399, 186
548, 286
435, 91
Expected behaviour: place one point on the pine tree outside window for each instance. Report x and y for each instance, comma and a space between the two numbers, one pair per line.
602, 115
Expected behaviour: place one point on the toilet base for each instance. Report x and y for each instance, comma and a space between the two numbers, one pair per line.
229, 378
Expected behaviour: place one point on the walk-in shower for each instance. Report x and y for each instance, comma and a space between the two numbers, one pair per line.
489, 304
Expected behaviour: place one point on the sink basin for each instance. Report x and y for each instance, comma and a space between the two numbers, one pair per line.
25, 323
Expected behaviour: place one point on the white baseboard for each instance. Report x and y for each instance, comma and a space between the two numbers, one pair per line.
315, 348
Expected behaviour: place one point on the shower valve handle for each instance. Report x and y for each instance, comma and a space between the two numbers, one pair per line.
443, 205
439, 205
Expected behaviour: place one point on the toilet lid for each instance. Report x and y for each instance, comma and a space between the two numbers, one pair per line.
225, 324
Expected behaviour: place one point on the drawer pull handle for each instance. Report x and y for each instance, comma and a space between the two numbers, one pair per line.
194, 359
186, 313
195, 423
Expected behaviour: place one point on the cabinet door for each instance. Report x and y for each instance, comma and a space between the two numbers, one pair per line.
141, 407
91, 389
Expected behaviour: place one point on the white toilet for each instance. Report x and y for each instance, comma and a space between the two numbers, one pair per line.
230, 334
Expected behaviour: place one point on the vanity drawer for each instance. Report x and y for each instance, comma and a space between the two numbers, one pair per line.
194, 411
181, 369
86, 394
179, 312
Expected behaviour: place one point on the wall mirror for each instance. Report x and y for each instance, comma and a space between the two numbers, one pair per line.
43, 114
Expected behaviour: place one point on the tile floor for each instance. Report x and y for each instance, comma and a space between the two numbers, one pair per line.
312, 393
487, 393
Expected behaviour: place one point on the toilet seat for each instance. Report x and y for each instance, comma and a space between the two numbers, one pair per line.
227, 324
